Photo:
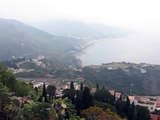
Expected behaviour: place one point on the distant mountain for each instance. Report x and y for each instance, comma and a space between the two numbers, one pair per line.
80, 30
126, 77
21, 40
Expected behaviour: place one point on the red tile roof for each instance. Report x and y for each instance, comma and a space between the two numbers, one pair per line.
155, 117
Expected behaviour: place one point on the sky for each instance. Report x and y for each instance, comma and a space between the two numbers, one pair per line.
138, 14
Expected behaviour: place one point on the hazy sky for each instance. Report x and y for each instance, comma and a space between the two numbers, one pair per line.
132, 13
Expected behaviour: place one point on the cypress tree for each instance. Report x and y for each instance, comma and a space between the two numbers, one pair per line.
87, 99
81, 87
97, 86
43, 97
70, 93
72, 85
114, 96
132, 115
78, 101
120, 108
51, 91
121, 97
127, 107
101, 95
142, 113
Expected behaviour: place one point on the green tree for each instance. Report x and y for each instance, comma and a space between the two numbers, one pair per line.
7, 78
120, 107
4, 100
121, 97
127, 106
105, 106
97, 86
36, 111
87, 98
70, 93
142, 113
72, 85
103, 95
132, 113
43, 97
81, 87
22, 88
51, 90
78, 101
96, 113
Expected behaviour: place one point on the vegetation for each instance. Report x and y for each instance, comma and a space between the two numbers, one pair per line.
96, 113
20, 40
20, 101
141, 79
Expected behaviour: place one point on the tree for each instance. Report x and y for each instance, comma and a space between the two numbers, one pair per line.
44, 94
132, 114
97, 86
7, 78
105, 106
36, 111
127, 106
78, 101
114, 96
103, 95
9, 105
72, 85
121, 97
87, 99
43, 97
36, 90
51, 90
120, 107
96, 113
142, 113
70, 93
22, 88
81, 87
4, 100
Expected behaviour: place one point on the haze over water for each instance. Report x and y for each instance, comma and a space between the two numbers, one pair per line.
136, 48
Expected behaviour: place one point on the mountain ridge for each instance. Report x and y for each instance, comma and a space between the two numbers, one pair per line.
80, 30
18, 39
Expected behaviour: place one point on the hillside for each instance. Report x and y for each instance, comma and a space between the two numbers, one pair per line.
18, 39
127, 77
80, 30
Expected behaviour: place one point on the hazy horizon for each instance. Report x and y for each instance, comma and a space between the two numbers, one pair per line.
138, 14
131, 48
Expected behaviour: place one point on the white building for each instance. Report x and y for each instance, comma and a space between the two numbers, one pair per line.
143, 101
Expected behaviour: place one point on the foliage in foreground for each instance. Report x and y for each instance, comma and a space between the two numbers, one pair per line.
20, 101
96, 113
